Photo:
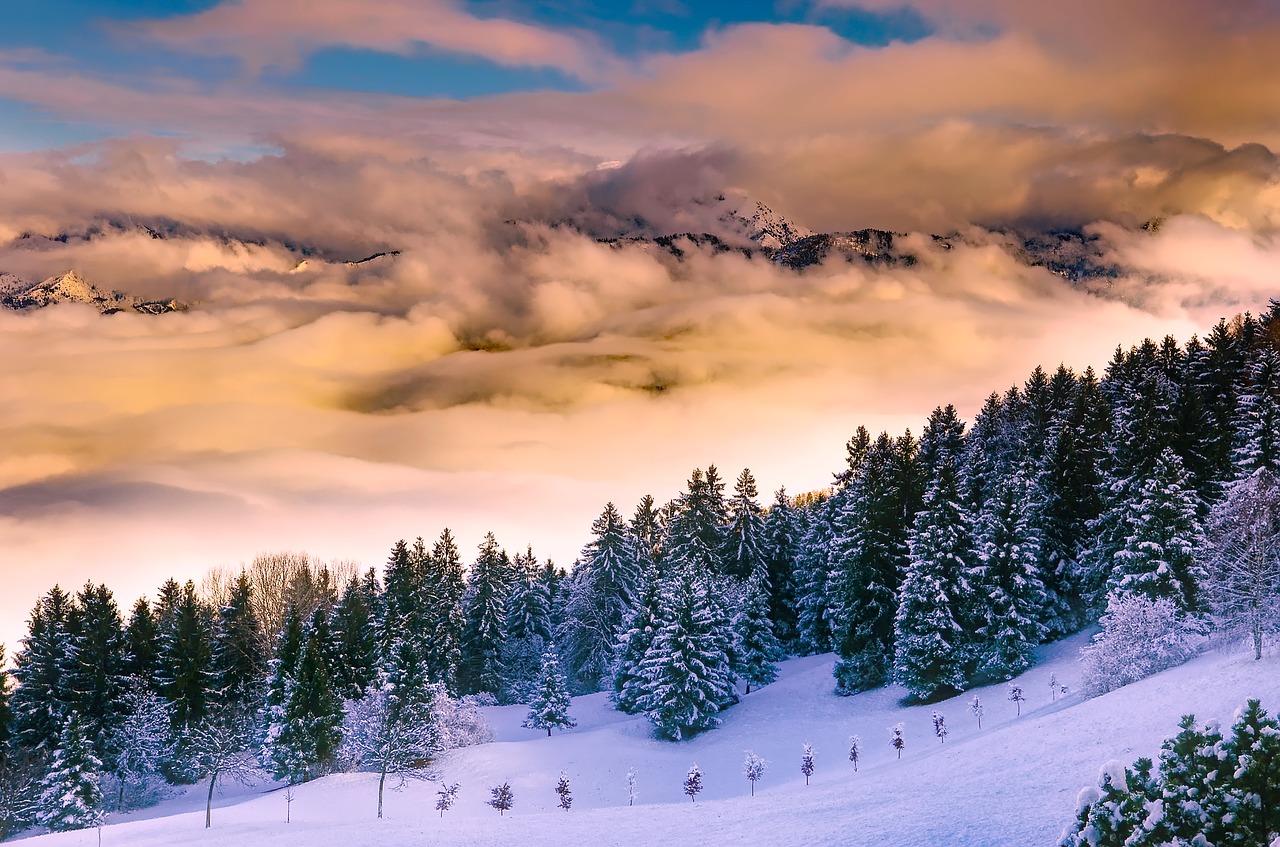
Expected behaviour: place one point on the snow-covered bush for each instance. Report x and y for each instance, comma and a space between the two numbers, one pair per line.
460, 722
753, 768
1139, 637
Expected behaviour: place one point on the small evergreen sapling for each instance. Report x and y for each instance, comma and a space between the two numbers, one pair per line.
753, 767
975, 706
631, 786
1015, 694
288, 803
693, 782
940, 727
562, 788
855, 750
503, 798
550, 707
1053, 686
446, 797
896, 741
806, 762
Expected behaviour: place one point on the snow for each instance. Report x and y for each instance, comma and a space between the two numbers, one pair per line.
1014, 782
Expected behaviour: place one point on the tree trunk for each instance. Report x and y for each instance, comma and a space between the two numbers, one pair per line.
548, 732
1257, 636
208, 805
382, 780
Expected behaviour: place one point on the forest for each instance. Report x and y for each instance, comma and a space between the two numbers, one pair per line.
937, 562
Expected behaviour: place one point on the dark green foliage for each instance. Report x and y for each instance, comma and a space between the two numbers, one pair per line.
305, 743
72, 789
142, 636
96, 673
186, 651
355, 639
238, 662
602, 594
744, 540
484, 612
781, 546
758, 649
42, 701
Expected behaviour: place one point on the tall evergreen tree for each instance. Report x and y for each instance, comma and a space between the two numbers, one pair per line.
6, 713
95, 675
813, 627
238, 656
484, 611
759, 648
647, 531
695, 531
602, 595
527, 630
1256, 423
72, 796
142, 636
744, 539
446, 587
1008, 585
41, 702
1157, 558
1253, 760
355, 637
305, 744
781, 546
930, 642
186, 676
634, 643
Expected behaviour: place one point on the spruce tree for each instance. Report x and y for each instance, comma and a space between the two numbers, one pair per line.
95, 674
634, 643
550, 706
305, 742
562, 789
1191, 782
72, 796
1256, 423
781, 546
1253, 792
686, 670
1162, 532
484, 611
1008, 586
354, 632
930, 641
142, 637
6, 713
1111, 814
602, 595
41, 702
813, 629
745, 547
694, 533
186, 648
238, 658
759, 649
445, 620
527, 631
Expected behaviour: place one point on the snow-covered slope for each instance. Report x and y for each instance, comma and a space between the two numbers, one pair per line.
1013, 782
71, 287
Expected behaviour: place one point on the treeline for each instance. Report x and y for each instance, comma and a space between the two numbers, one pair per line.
937, 561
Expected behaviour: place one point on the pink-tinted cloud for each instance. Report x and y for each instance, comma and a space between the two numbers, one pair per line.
274, 33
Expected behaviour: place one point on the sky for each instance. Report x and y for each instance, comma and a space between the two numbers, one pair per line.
507, 370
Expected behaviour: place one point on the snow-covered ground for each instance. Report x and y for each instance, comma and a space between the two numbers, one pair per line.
1013, 782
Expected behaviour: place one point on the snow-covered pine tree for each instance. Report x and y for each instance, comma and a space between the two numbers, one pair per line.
930, 641
1257, 416
306, 741
602, 595
484, 611
940, 727
142, 644
527, 630
633, 644
693, 782
753, 767
562, 789
647, 532
392, 729
694, 534
866, 558
759, 649
686, 670
1111, 814
813, 629
1163, 531
1008, 590
781, 545
855, 750
6, 714
446, 797
20, 787
896, 739
502, 799
631, 786
975, 706
744, 549
72, 796
1192, 779
550, 706
355, 636
1253, 760
186, 653
445, 589
238, 658
40, 702
806, 762
95, 675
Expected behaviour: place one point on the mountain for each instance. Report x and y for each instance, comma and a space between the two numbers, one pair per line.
71, 287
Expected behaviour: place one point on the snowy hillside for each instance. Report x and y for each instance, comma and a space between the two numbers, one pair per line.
1013, 782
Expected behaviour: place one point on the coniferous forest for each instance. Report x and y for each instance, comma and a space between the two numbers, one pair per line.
936, 561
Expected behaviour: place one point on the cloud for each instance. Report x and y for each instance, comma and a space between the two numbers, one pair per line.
281, 33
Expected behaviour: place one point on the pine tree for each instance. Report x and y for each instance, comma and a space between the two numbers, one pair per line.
744, 549
806, 762
602, 596
95, 672
1008, 586
142, 638
305, 742
694, 534
634, 643
6, 713
1253, 794
975, 706
445, 617
813, 629
753, 767
238, 659
1157, 557
355, 637
72, 796
759, 648
527, 630
896, 739
940, 727
693, 782
1016, 696
1110, 814
562, 789
186, 649
686, 669
41, 703
931, 644
484, 611
781, 546
1192, 778
550, 707
1257, 416
855, 751
503, 798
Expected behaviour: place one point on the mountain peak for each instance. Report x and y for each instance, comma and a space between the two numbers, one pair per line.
71, 287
